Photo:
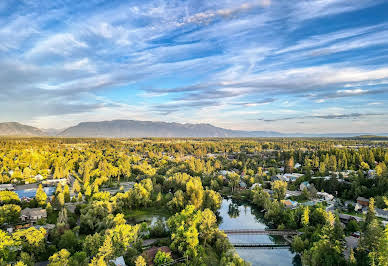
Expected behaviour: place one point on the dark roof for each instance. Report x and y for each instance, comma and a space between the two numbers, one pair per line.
149, 254
346, 217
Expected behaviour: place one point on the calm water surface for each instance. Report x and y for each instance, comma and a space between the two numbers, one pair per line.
236, 215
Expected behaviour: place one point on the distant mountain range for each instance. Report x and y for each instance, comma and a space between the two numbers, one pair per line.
138, 129
17, 129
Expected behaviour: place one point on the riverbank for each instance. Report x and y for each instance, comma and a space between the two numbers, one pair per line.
237, 213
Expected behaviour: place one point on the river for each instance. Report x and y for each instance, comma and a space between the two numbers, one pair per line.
237, 215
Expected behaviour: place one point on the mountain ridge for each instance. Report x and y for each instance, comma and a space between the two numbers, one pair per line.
18, 129
139, 129
136, 128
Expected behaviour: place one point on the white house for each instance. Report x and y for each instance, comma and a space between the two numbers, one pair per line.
9, 187
326, 196
54, 182
371, 173
39, 177
292, 177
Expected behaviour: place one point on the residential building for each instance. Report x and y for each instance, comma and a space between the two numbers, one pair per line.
371, 173
381, 213
54, 182
363, 201
345, 219
326, 178
290, 204
9, 187
32, 215
291, 193
255, 185
149, 255
289, 177
243, 185
326, 196
304, 185
39, 177
119, 261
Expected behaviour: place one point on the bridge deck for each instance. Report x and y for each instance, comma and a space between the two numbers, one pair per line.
260, 245
261, 232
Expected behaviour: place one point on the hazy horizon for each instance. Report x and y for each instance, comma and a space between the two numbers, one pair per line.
290, 67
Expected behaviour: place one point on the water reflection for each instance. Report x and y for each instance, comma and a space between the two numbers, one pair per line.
238, 215
233, 211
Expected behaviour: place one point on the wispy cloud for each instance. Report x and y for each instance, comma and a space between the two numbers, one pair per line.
329, 117
189, 60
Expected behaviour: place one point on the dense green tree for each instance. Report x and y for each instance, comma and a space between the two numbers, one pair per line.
162, 258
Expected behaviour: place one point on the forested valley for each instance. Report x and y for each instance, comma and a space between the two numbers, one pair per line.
89, 197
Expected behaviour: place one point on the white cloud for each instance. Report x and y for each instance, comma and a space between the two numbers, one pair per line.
83, 65
351, 92
60, 44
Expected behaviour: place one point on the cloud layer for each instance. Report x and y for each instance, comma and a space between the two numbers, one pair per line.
235, 64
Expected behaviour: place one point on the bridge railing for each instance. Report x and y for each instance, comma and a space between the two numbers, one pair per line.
261, 231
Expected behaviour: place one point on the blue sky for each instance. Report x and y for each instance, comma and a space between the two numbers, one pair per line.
312, 66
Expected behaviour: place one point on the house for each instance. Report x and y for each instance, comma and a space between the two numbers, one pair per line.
47, 227
255, 185
371, 173
291, 193
290, 204
363, 201
54, 182
304, 185
225, 172
127, 185
71, 206
326, 178
149, 255
269, 191
9, 187
309, 203
345, 219
243, 185
119, 261
382, 213
326, 196
39, 177
291, 177
33, 214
